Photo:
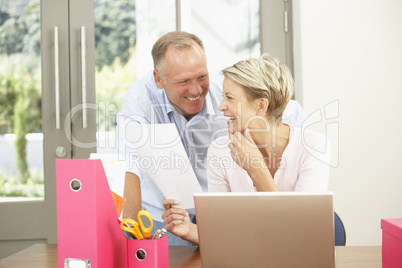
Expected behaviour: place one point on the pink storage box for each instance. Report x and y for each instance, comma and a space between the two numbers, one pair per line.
391, 243
148, 253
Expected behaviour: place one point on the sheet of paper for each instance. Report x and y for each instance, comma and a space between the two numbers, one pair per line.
115, 170
162, 154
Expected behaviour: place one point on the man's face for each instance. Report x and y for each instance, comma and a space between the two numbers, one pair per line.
186, 80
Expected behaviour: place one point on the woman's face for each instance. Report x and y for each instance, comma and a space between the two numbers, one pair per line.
237, 108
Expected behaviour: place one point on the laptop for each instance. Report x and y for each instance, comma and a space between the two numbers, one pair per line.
266, 229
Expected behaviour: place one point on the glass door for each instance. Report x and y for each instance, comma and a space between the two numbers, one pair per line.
27, 215
47, 79
21, 136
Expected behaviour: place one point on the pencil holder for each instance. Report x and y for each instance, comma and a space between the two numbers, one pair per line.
148, 253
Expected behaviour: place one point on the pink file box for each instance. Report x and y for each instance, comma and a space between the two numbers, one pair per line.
391, 243
87, 225
148, 253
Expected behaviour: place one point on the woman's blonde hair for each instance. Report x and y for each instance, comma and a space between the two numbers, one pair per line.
266, 78
177, 39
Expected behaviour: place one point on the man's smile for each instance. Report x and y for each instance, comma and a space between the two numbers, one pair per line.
193, 99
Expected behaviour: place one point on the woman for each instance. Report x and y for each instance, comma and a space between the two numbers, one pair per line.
260, 153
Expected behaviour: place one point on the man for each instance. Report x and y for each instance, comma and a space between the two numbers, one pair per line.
181, 91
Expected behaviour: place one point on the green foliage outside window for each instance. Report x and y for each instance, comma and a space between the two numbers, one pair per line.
20, 109
115, 31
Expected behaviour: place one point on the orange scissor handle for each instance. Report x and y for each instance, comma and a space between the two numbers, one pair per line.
135, 230
145, 230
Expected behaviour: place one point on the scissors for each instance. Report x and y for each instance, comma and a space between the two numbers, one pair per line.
133, 227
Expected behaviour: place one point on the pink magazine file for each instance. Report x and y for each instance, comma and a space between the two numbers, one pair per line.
87, 225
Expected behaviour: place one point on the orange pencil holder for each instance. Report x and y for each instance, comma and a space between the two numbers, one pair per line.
148, 253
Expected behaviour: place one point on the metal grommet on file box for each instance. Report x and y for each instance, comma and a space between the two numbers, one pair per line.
141, 254
76, 263
75, 185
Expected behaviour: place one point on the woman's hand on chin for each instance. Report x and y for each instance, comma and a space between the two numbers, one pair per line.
244, 151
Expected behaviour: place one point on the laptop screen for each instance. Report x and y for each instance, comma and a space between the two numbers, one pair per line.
266, 229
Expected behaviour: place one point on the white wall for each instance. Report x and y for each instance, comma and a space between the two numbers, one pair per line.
349, 51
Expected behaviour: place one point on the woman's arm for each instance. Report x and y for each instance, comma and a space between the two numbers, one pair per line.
177, 221
263, 180
313, 173
216, 165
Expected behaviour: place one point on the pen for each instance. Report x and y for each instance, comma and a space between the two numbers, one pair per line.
163, 233
157, 235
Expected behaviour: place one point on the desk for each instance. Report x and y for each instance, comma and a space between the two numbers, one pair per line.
45, 255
